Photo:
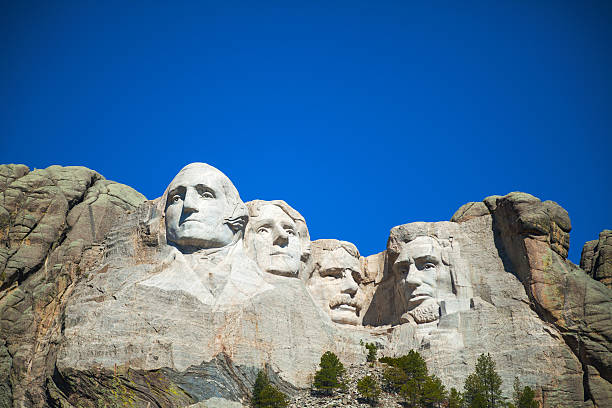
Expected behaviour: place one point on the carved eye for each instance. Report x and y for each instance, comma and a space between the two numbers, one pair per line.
207, 194
262, 230
290, 231
429, 266
176, 198
335, 273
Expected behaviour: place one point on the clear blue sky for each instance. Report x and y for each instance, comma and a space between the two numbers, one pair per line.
361, 115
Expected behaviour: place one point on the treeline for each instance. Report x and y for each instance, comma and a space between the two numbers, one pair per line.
407, 377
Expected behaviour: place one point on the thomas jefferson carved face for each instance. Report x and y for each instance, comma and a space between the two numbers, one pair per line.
274, 241
333, 283
422, 278
199, 201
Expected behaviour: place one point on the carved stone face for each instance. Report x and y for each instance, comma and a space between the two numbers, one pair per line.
196, 208
333, 285
274, 241
421, 277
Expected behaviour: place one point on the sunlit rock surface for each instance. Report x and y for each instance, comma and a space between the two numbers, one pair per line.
108, 299
596, 258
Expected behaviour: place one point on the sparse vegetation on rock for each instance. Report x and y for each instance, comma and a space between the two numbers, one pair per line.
329, 376
483, 387
266, 395
369, 389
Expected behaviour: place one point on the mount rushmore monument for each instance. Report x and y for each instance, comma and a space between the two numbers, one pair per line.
109, 299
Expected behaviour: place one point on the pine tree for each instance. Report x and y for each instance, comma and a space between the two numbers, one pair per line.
266, 395
372, 349
411, 393
434, 392
527, 399
482, 388
369, 389
455, 399
407, 375
394, 378
329, 376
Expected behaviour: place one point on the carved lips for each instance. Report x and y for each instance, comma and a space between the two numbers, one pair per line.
345, 303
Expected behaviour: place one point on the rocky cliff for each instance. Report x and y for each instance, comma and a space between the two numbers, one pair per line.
107, 299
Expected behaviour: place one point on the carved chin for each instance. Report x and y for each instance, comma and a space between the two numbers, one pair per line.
428, 311
345, 314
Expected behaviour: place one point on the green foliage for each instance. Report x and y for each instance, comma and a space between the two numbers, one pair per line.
482, 389
372, 349
329, 376
406, 374
527, 399
394, 378
523, 397
411, 393
412, 364
455, 399
434, 392
266, 395
369, 389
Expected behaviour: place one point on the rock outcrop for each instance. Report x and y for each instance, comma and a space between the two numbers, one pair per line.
596, 258
51, 224
107, 299
533, 239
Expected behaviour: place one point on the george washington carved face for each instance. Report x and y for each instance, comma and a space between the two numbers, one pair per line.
203, 208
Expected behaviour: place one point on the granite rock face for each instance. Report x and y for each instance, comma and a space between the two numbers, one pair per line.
110, 300
51, 224
533, 237
596, 258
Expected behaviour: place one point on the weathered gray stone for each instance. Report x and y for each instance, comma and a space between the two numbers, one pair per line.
596, 258
108, 300
10, 173
54, 220
469, 211
534, 237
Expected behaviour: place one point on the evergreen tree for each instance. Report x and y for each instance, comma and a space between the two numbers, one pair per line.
516, 395
527, 399
407, 375
482, 388
455, 400
434, 392
372, 349
394, 378
523, 397
329, 376
266, 395
369, 389
411, 393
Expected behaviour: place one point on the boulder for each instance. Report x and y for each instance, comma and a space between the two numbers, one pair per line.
596, 258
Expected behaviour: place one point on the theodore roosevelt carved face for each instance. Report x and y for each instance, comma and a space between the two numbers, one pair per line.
203, 209
277, 237
333, 283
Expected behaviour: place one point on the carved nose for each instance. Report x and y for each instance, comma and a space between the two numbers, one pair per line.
412, 278
349, 286
281, 238
190, 205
